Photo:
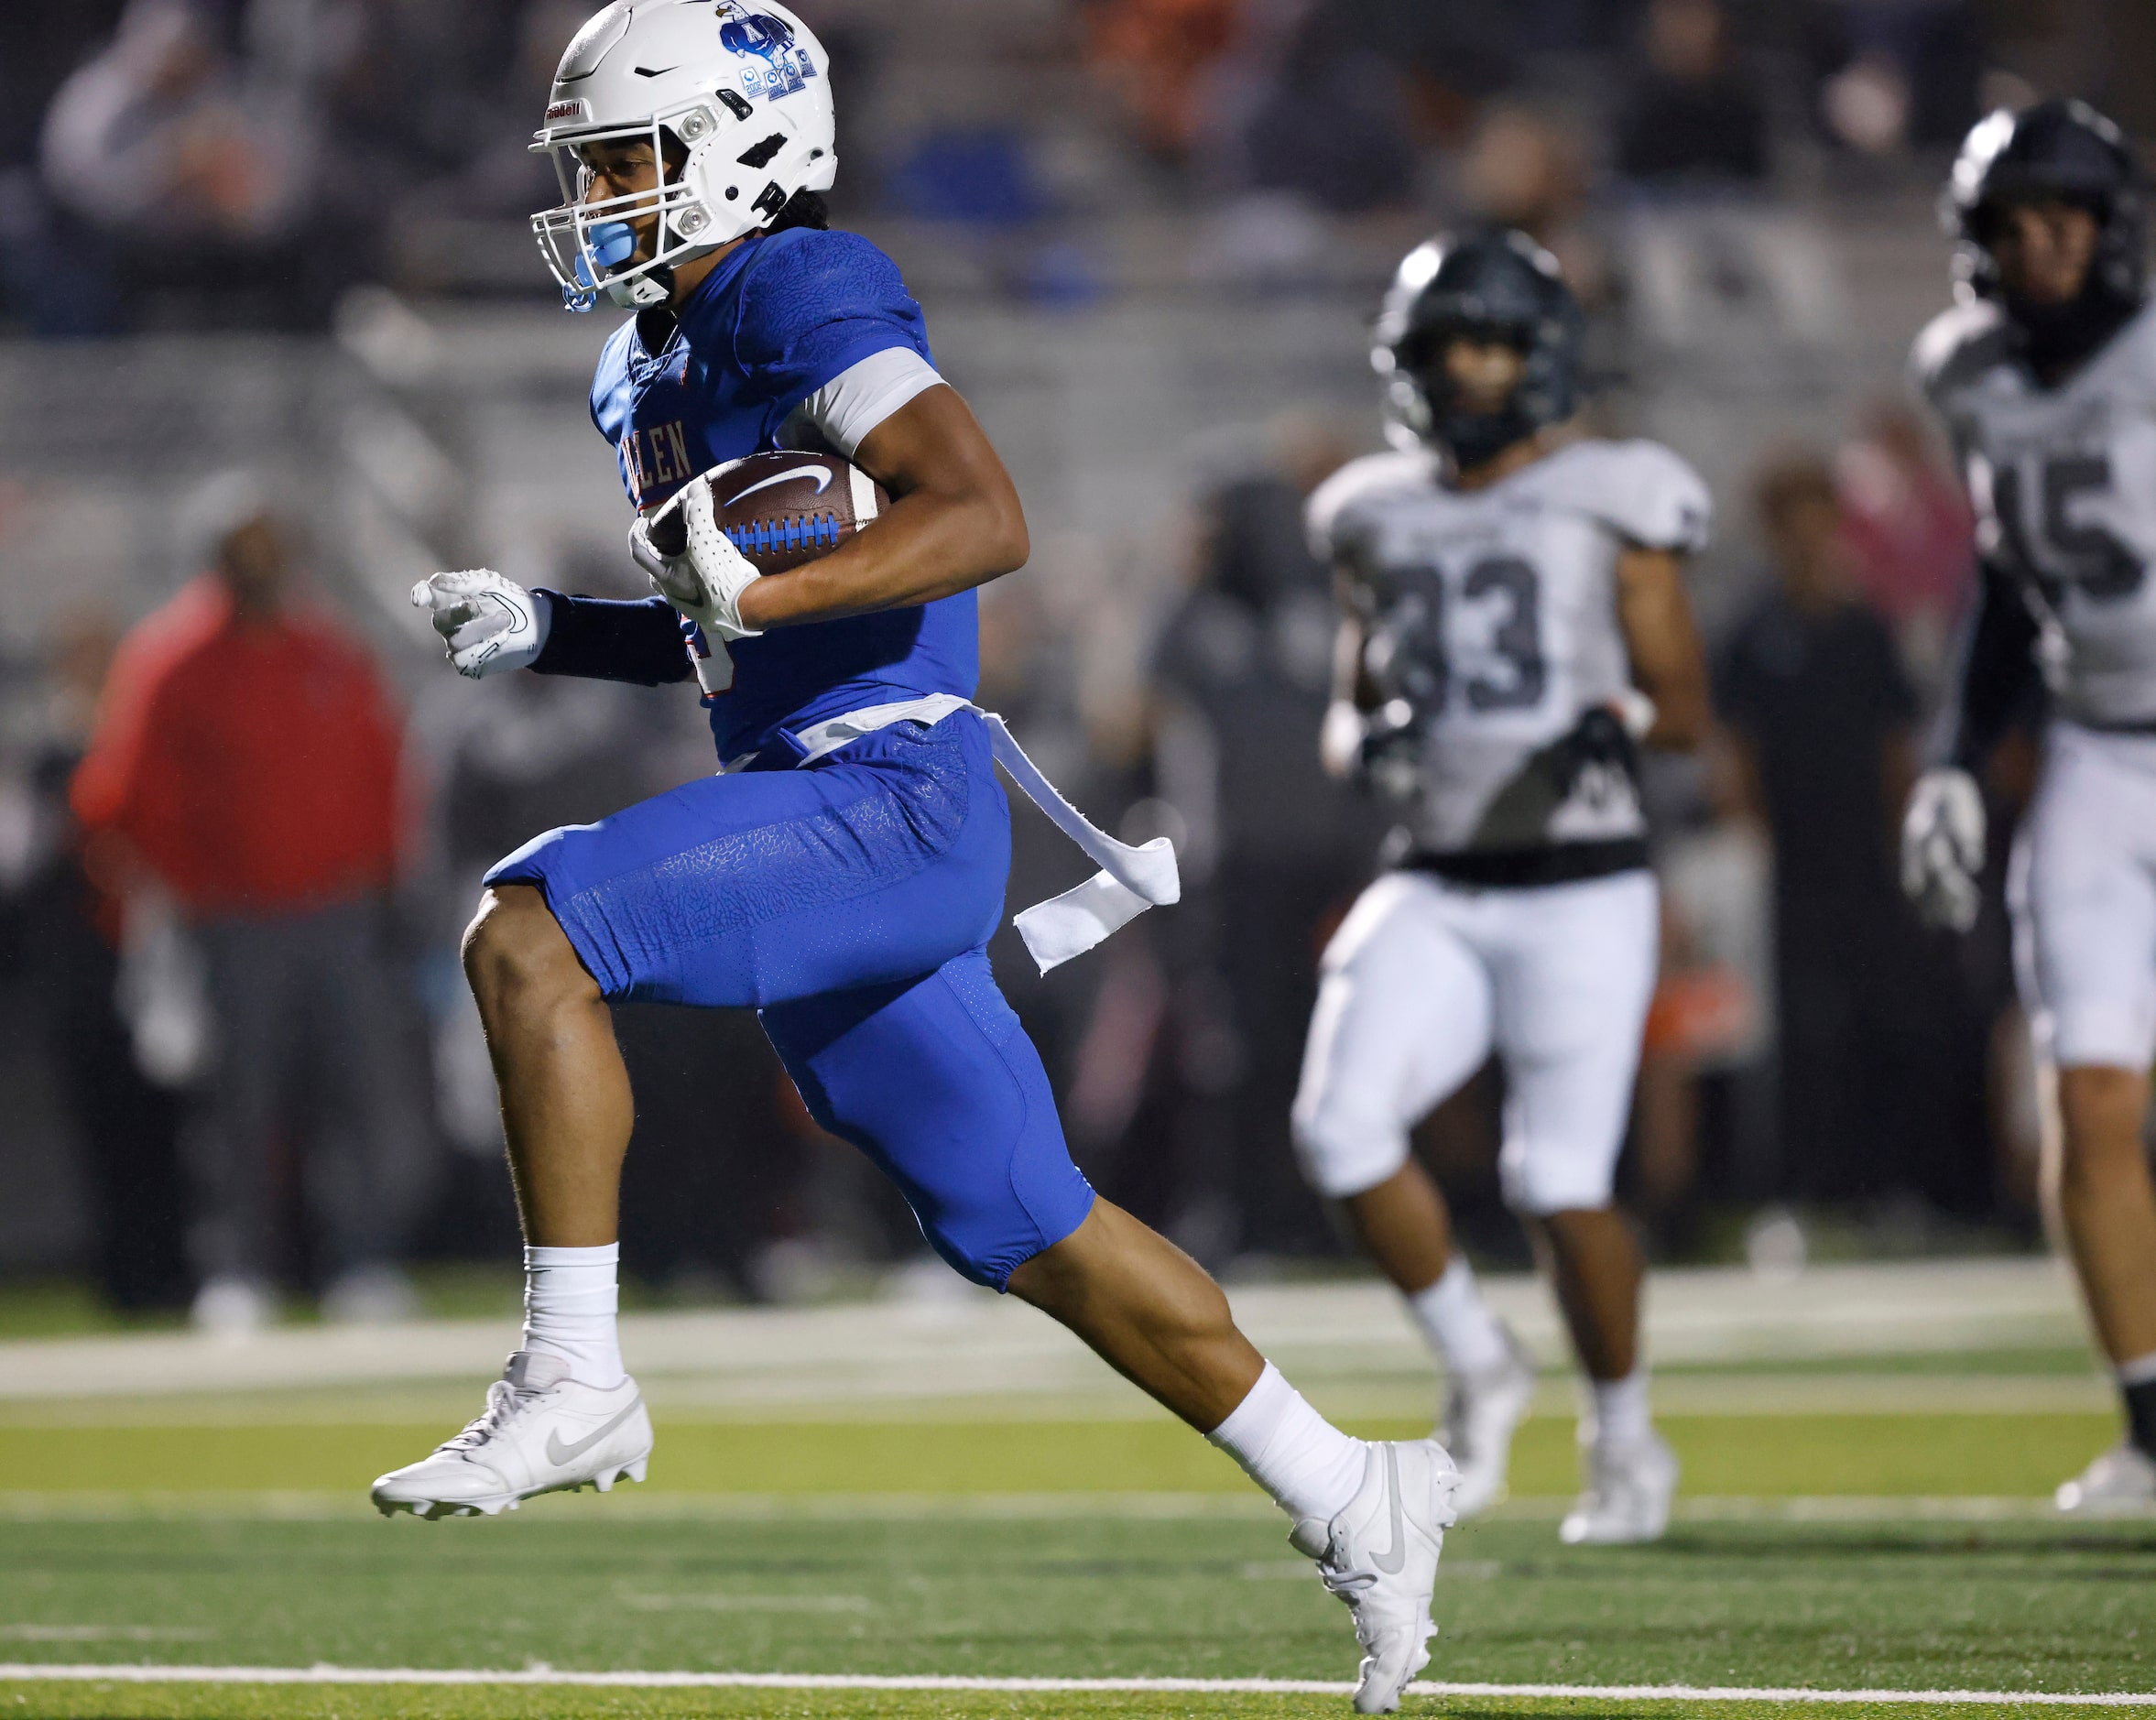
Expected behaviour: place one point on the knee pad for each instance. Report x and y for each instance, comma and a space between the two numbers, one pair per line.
937, 1083
1538, 1180
1342, 1152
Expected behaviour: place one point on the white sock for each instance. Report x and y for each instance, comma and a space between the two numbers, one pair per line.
569, 1299
2140, 1371
1457, 1323
1620, 1408
1308, 1466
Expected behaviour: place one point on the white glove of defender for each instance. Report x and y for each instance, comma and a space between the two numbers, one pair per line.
705, 581
1942, 848
487, 623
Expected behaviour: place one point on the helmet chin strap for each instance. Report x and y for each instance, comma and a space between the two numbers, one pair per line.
614, 243
1472, 439
2054, 336
641, 292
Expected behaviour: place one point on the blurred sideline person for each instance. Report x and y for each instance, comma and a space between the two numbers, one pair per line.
1516, 627
246, 758
844, 871
2045, 374
127, 1125
1821, 720
1246, 669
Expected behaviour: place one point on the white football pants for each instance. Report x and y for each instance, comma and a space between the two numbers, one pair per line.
1425, 979
2084, 895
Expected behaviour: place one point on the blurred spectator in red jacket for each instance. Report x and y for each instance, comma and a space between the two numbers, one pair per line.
245, 765
1912, 542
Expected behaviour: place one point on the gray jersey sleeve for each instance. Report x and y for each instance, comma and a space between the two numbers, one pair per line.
1340, 509
1642, 492
1956, 349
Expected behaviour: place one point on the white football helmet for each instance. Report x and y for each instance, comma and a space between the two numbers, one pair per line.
738, 91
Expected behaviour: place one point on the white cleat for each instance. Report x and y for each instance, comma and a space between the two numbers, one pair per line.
1482, 1411
1627, 1499
2121, 1483
542, 1432
1380, 1555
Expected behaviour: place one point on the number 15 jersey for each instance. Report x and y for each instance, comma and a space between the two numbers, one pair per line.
1492, 614
2063, 481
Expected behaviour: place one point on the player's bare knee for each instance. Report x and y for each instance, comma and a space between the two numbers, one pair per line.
2101, 1109
516, 955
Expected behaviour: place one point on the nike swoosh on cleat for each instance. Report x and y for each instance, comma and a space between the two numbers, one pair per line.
820, 474
556, 1453
1390, 1563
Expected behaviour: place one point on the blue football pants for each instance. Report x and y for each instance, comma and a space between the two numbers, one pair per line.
848, 902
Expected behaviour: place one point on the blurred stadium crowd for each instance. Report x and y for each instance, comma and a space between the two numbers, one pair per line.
277, 344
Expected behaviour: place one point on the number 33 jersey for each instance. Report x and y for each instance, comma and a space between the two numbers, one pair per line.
1491, 615
2063, 481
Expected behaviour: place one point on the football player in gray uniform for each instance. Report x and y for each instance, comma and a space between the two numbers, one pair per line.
2045, 376
1514, 629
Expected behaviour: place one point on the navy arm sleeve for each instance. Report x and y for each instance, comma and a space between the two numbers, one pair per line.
604, 641
1998, 676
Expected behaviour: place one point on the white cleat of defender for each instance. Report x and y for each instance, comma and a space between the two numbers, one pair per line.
1482, 1412
1627, 1499
2121, 1483
542, 1432
1380, 1555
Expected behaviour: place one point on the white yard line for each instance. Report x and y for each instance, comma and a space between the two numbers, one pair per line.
30, 1507
547, 1675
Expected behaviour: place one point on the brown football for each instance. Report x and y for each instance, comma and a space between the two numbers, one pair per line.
783, 509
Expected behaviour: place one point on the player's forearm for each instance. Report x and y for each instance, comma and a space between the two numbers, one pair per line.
598, 639
1669, 664
1997, 675
930, 544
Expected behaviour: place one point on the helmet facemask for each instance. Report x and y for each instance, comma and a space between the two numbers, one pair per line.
1471, 430
594, 246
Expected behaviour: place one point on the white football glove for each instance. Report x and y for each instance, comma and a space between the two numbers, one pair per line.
487, 623
1942, 848
705, 581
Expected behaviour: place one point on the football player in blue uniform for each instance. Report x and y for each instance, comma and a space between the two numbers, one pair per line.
843, 872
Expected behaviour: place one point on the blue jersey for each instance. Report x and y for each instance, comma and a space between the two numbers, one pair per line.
776, 320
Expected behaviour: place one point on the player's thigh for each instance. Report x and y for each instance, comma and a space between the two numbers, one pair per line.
935, 1079
2084, 895
1402, 1019
1575, 971
879, 865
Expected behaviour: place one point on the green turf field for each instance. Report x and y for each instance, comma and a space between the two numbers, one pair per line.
1057, 1549
1850, 1523
1999, 1606
1776, 1457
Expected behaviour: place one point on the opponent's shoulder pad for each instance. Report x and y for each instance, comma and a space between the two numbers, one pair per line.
1959, 347
2138, 342
1331, 515
1645, 492
805, 277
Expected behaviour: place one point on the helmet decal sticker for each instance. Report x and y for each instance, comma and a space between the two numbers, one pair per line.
785, 69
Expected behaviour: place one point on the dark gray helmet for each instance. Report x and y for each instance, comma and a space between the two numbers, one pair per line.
2059, 150
1498, 284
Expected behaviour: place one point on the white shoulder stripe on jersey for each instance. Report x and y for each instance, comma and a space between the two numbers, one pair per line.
852, 403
